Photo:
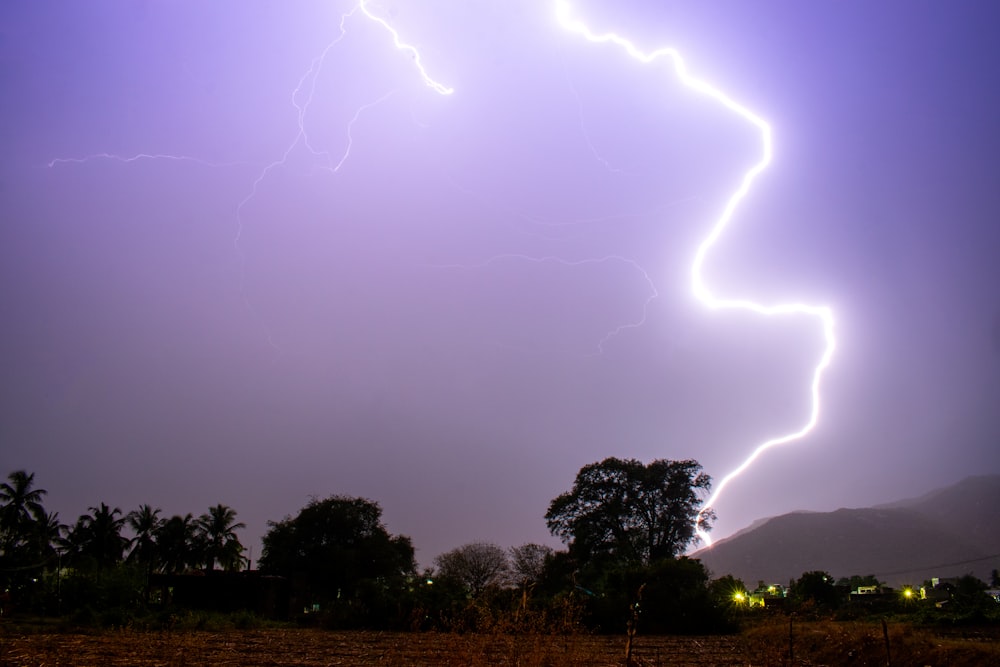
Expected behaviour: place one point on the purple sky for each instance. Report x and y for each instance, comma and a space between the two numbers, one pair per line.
432, 324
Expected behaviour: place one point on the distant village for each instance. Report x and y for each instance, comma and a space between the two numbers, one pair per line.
939, 591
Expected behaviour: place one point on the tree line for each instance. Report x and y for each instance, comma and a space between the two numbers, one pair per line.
624, 525
33, 540
622, 520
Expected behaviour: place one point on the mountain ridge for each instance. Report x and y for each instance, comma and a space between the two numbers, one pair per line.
902, 542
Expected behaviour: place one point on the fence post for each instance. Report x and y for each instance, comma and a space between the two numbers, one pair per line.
630, 627
885, 634
791, 645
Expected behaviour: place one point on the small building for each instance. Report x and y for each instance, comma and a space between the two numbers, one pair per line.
940, 591
768, 596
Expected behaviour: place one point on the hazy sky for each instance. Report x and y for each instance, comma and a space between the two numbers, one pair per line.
244, 262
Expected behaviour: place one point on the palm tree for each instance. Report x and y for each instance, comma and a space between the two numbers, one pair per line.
98, 536
19, 503
23, 523
144, 523
45, 536
219, 527
74, 542
177, 544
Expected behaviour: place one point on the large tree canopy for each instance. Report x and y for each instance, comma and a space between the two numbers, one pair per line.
630, 512
475, 566
335, 547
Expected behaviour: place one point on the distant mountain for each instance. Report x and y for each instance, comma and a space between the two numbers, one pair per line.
948, 532
972, 506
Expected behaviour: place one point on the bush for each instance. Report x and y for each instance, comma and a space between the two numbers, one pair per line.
675, 599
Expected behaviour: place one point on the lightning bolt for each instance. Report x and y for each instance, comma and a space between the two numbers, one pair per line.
699, 287
407, 48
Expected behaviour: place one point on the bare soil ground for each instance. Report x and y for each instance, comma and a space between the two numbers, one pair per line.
314, 647
813, 644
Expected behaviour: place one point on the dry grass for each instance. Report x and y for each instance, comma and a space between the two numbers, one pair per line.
817, 643
863, 643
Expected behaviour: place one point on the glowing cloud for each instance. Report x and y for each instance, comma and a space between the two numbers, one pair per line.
698, 284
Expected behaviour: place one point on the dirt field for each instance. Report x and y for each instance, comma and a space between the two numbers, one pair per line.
813, 644
306, 647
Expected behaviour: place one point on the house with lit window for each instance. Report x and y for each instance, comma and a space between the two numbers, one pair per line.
768, 596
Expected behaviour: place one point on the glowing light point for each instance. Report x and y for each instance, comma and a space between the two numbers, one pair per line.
698, 285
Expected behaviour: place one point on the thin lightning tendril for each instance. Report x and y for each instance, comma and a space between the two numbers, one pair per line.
302, 136
699, 287
141, 156
307, 85
350, 128
586, 135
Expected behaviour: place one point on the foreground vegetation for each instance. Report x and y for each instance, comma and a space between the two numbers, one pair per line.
766, 643
334, 564
178, 592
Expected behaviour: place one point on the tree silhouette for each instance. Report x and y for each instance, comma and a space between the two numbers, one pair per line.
630, 512
337, 549
178, 544
218, 528
73, 542
44, 537
144, 523
528, 563
97, 537
19, 504
28, 535
816, 587
476, 566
